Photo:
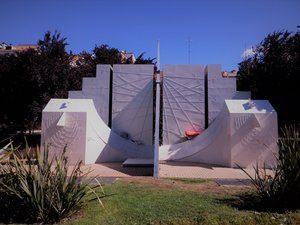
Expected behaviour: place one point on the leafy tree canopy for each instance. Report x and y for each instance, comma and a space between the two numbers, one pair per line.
53, 45
107, 55
29, 79
141, 60
273, 72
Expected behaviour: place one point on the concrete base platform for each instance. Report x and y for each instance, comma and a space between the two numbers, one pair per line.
223, 175
138, 162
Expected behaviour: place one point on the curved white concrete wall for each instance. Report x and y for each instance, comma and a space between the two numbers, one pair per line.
240, 135
86, 135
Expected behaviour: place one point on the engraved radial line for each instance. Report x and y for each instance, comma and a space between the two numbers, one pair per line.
150, 99
145, 78
178, 117
166, 122
182, 109
182, 76
139, 107
127, 82
123, 93
187, 95
142, 103
168, 79
196, 86
184, 86
194, 111
165, 118
174, 133
122, 85
129, 89
184, 97
133, 73
165, 91
120, 101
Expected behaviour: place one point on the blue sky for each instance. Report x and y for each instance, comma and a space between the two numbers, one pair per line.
220, 30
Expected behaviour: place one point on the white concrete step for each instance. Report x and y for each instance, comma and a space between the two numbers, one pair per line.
138, 162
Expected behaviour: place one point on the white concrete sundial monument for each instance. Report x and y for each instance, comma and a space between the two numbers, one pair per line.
112, 118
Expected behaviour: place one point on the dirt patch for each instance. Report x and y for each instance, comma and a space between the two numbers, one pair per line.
73, 216
209, 186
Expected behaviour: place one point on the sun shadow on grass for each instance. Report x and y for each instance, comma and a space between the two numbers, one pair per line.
250, 201
12, 210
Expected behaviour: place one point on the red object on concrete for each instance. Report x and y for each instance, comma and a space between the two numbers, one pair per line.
191, 134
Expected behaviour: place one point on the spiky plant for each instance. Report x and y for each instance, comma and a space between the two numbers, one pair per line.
39, 189
281, 190
289, 167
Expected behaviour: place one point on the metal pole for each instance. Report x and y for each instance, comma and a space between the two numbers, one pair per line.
157, 116
158, 56
156, 134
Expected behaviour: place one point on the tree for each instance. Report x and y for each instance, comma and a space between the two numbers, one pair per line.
273, 73
28, 80
141, 60
104, 54
82, 65
8, 78
53, 45
49, 73
107, 55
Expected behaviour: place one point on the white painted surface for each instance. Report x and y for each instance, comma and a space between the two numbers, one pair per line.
238, 136
132, 103
97, 89
219, 89
183, 101
249, 106
87, 137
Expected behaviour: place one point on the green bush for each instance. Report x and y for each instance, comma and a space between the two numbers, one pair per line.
289, 167
281, 190
273, 66
40, 189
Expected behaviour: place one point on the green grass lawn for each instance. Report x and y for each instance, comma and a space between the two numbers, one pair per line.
189, 181
134, 203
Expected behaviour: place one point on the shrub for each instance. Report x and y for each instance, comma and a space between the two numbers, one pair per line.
289, 166
40, 189
281, 190
274, 65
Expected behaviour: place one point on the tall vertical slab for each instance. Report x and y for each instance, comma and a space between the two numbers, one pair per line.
219, 89
98, 89
132, 102
183, 101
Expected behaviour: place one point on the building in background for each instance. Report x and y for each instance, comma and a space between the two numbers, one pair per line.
127, 57
13, 49
232, 73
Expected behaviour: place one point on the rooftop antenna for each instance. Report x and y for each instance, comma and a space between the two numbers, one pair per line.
189, 40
